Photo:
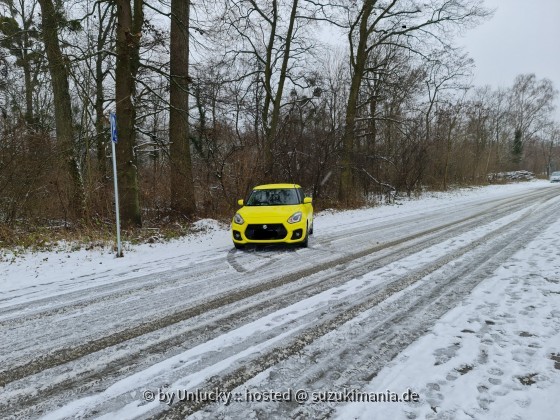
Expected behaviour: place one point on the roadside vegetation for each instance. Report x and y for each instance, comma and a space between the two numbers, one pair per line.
358, 102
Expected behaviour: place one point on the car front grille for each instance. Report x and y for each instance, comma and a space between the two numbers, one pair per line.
266, 232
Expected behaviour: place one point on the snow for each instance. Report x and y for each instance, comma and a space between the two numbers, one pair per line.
489, 357
43, 273
48, 273
507, 329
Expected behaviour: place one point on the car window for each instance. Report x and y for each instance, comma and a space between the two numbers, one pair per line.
274, 197
301, 195
555, 173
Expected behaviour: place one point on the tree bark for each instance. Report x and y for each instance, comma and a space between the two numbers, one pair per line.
62, 106
100, 118
182, 188
272, 129
128, 42
448, 145
268, 100
26, 63
358, 62
100, 131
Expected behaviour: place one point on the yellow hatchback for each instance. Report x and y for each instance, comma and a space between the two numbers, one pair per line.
273, 213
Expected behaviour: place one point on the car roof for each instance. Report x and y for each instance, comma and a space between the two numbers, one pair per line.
275, 186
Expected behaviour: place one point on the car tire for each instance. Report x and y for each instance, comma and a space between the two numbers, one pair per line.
305, 242
311, 230
238, 246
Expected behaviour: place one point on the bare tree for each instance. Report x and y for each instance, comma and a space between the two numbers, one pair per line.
550, 148
182, 188
269, 35
375, 24
62, 104
447, 70
452, 112
129, 26
20, 39
106, 18
498, 106
532, 102
478, 134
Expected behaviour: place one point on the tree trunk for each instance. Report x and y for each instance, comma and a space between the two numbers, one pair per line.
102, 136
448, 152
29, 118
268, 100
26, 64
182, 189
272, 130
62, 106
100, 131
358, 62
128, 41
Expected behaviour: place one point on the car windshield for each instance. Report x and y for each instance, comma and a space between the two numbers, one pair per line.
555, 173
275, 197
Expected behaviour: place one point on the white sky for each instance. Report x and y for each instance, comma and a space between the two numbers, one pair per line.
522, 37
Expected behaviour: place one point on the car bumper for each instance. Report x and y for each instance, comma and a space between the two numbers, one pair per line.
269, 233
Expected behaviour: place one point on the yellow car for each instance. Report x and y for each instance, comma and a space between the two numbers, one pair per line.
273, 213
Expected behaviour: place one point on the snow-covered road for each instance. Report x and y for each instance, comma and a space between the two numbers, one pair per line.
455, 297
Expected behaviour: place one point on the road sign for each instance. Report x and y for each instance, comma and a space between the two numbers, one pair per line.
113, 118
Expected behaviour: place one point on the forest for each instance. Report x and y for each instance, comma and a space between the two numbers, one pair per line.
358, 101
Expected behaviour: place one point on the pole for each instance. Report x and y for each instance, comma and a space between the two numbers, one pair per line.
113, 119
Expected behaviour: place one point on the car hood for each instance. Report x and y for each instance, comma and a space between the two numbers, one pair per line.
276, 214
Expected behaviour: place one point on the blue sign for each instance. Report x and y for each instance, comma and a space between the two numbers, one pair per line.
113, 119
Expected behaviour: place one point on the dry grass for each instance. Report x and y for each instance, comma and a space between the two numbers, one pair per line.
29, 237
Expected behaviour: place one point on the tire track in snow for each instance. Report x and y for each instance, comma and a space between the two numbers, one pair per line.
61, 356
248, 312
120, 290
500, 204
419, 313
448, 229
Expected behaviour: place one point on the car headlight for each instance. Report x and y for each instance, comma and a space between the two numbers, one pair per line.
294, 218
238, 219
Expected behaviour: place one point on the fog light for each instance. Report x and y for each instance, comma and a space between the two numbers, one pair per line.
297, 234
237, 235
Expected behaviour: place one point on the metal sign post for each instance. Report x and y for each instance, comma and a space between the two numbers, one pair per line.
114, 139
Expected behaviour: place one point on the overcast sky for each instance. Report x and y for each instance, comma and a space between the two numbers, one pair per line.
522, 37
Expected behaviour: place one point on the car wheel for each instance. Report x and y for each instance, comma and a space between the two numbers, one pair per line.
238, 246
305, 242
311, 230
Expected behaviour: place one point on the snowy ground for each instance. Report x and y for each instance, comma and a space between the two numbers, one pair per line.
455, 296
495, 356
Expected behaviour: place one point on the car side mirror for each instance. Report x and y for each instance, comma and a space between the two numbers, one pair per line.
307, 200
240, 202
